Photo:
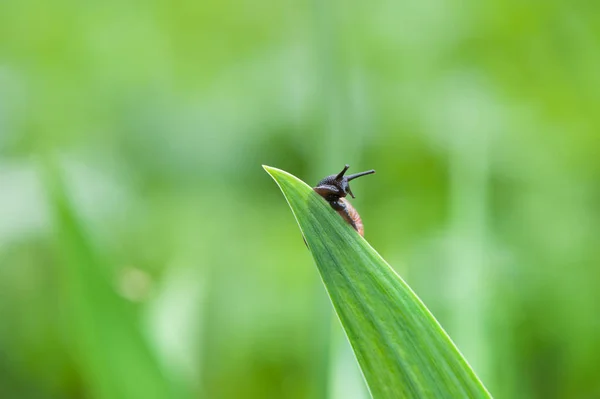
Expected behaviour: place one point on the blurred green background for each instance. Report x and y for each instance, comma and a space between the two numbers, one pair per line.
174, 268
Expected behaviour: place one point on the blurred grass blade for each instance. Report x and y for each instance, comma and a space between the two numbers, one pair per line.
402, 350
108, 347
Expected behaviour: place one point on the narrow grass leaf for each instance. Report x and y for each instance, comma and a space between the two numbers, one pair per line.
402, 350
110, 351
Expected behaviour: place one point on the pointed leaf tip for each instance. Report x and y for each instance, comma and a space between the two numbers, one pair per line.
271, 170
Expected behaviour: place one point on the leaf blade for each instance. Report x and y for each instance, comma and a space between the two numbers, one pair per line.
105, 336
401, 348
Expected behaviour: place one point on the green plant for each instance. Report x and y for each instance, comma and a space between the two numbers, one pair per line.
105, 339
401, 348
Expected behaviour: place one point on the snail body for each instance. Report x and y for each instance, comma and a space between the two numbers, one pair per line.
334, 190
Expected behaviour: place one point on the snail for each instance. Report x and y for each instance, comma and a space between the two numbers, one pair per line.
334, 189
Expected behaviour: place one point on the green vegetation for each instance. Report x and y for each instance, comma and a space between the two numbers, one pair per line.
402, 350
481, 119
103, 330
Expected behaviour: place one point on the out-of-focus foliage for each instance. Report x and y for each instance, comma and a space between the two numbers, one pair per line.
480, 118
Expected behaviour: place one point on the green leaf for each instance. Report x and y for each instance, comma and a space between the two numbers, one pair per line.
401, 348
107, 345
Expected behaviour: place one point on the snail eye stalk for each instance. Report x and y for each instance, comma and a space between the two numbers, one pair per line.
354, 176
341, 174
